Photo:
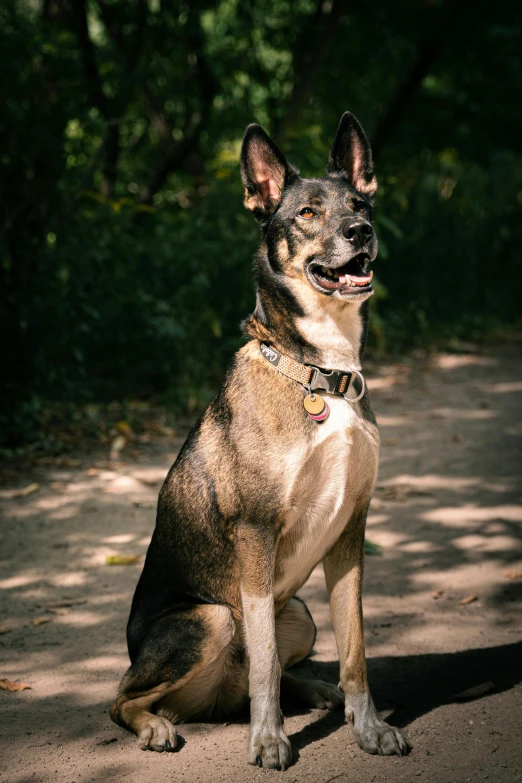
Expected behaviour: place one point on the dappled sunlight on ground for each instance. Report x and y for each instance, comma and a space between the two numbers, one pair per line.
442, 602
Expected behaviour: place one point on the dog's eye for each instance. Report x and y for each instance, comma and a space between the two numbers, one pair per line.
359, 206
307, 213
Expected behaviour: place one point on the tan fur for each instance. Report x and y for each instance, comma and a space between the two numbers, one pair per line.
366, 187
343, 567
220, 684
197, 692
306, 248
295, 633
252, 548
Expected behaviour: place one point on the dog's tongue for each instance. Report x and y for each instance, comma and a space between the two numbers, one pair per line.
355, 279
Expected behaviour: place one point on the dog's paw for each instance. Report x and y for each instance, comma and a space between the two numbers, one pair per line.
316, 693
269, 748
158, 734
377, 737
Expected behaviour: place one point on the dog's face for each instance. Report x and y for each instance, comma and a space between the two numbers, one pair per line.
317, 231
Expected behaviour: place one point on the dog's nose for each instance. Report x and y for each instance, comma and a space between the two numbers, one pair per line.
358, 233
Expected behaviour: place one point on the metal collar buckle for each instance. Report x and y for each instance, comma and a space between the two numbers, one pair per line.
335, 382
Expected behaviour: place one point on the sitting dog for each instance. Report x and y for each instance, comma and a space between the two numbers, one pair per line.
275, 477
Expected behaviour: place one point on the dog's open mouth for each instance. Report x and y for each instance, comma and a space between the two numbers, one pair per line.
351, 278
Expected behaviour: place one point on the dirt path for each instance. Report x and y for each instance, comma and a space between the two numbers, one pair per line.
447, 512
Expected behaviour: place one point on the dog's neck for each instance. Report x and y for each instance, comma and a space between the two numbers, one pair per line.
324, 332
337, 332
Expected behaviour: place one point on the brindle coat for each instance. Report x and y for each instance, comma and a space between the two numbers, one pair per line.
260, 493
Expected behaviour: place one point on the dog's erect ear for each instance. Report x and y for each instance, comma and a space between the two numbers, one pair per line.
264, 170
351, 156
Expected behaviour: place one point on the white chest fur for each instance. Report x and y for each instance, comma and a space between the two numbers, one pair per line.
324, 481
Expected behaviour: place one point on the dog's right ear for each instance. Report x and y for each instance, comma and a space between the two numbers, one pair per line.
265, 172
351, 156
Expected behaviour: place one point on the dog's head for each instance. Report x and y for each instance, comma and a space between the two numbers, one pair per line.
317, 232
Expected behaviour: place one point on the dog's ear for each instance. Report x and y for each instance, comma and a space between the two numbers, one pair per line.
351, 156
264, 170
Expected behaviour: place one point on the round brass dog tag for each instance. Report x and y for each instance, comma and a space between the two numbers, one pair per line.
314, 404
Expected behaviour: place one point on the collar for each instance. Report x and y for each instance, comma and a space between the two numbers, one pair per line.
336, 382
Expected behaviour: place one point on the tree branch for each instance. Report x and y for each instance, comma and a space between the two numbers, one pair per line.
197, 116
81, 27
115, 114
403, 97
432, 37
310, 54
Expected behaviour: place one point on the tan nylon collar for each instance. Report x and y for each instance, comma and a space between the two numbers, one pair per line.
311, 377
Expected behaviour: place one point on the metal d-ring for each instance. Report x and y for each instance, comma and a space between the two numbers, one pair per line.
355, 399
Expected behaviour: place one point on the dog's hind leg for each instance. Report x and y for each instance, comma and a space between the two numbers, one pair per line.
176, 674
295, 636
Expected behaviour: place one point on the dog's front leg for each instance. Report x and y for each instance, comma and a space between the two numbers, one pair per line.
268, 744
343, 567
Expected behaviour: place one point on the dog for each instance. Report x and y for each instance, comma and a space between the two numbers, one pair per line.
275, 477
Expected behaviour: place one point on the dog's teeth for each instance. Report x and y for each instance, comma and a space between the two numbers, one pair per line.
342, 279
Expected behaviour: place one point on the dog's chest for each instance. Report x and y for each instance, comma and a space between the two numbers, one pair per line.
323, 481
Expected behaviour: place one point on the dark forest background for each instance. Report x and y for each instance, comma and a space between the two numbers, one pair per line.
125, 252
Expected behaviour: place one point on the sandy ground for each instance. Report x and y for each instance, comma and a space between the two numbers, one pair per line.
447, 512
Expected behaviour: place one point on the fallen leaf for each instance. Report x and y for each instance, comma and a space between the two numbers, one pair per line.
66, 462
61, 611
400, 492
108, 741
9, 474
50, 605
475, 692
123, 427
4, 629
469, 599
161, 429
11, 685
30, 489
41, 620
437, 594
396, 492
150, 482
512, 573
371, 548
122, 559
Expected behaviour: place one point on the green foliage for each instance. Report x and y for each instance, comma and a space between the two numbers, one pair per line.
125, 253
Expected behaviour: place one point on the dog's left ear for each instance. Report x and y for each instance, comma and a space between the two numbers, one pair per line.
351, 156
264, 170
